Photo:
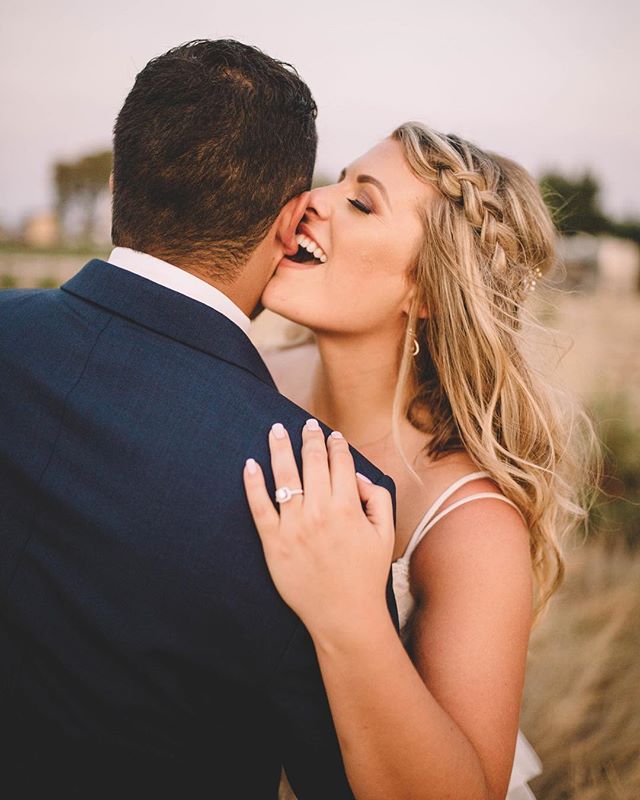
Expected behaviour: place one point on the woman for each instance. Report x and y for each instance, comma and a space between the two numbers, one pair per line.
411, 272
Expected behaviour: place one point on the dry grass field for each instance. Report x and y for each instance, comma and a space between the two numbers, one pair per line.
582, 700
581, 709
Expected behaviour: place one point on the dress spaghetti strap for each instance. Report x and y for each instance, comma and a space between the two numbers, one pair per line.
432, 517
463, 501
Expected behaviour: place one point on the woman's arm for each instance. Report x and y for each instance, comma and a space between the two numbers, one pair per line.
448, 729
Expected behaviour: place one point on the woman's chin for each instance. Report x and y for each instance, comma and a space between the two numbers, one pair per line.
291, 289
275, 300
288, 264
287, 308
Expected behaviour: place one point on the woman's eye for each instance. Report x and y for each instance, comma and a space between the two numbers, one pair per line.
359, 205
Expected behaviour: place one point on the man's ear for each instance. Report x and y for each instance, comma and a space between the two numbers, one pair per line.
289, 220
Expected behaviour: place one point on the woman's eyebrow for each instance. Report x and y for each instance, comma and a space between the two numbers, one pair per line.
369, 179
376, 182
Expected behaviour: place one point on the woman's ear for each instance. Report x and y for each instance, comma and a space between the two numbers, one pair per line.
409, 306
288, 221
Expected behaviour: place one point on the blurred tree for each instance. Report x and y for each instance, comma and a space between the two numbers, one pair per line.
627, 229
79, 185
7, 282
48, 283
63, 177
575, 203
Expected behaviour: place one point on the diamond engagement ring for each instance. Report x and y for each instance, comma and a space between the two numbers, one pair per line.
284, 494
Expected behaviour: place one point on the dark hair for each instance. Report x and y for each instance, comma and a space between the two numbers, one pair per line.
213, 139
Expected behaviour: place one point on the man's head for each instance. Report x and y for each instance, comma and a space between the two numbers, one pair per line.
214, 138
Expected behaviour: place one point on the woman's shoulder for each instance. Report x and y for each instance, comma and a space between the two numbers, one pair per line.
417, 498
445, 480
481, 527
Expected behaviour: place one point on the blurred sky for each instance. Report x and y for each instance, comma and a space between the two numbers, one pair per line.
547, 83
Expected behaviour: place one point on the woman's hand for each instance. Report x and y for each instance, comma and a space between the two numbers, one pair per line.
328, 558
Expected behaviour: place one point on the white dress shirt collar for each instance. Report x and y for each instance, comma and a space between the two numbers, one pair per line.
176, 279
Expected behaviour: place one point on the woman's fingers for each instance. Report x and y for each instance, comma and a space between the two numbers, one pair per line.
263, 512
343, 472
377, 504
315, 466
329, 474
283, 465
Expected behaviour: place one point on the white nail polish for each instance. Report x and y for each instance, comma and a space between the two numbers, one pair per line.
336, 435
363, 477
278, 430
312, 425
251, 466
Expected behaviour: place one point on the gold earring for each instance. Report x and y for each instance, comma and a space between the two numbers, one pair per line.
416, 343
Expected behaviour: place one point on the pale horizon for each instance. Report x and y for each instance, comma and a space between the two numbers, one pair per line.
552, 86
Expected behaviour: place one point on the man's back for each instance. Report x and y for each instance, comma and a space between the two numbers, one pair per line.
145, 649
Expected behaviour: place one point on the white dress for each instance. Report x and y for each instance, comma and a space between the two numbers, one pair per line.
526, 764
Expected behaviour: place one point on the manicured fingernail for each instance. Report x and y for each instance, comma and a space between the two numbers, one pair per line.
336, 435
312, 425
278, 430
363, 477
251, 466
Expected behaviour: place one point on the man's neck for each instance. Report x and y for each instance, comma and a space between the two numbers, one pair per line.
226, 287
196, 265
247, 285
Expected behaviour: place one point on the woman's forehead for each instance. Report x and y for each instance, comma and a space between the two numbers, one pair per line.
387, 163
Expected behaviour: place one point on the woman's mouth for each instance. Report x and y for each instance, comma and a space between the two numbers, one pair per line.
309, 252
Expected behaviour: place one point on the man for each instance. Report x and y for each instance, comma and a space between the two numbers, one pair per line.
144, 649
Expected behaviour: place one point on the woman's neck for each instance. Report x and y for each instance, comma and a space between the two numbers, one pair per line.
354, 383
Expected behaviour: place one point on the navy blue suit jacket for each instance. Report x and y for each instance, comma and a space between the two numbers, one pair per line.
144, 650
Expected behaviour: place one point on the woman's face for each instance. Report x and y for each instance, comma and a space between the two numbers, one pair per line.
367, 230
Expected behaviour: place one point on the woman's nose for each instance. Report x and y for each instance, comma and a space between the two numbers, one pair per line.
319, 202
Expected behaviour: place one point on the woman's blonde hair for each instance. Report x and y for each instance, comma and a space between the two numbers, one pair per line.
488, 236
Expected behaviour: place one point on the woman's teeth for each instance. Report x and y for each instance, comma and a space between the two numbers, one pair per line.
311, 247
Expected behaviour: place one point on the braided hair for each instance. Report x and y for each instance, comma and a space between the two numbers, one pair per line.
487, 237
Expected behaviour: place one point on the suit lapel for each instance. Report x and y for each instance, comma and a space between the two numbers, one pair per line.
168, 313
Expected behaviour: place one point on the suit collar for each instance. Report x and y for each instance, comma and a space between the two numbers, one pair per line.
179, 280
168, 313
